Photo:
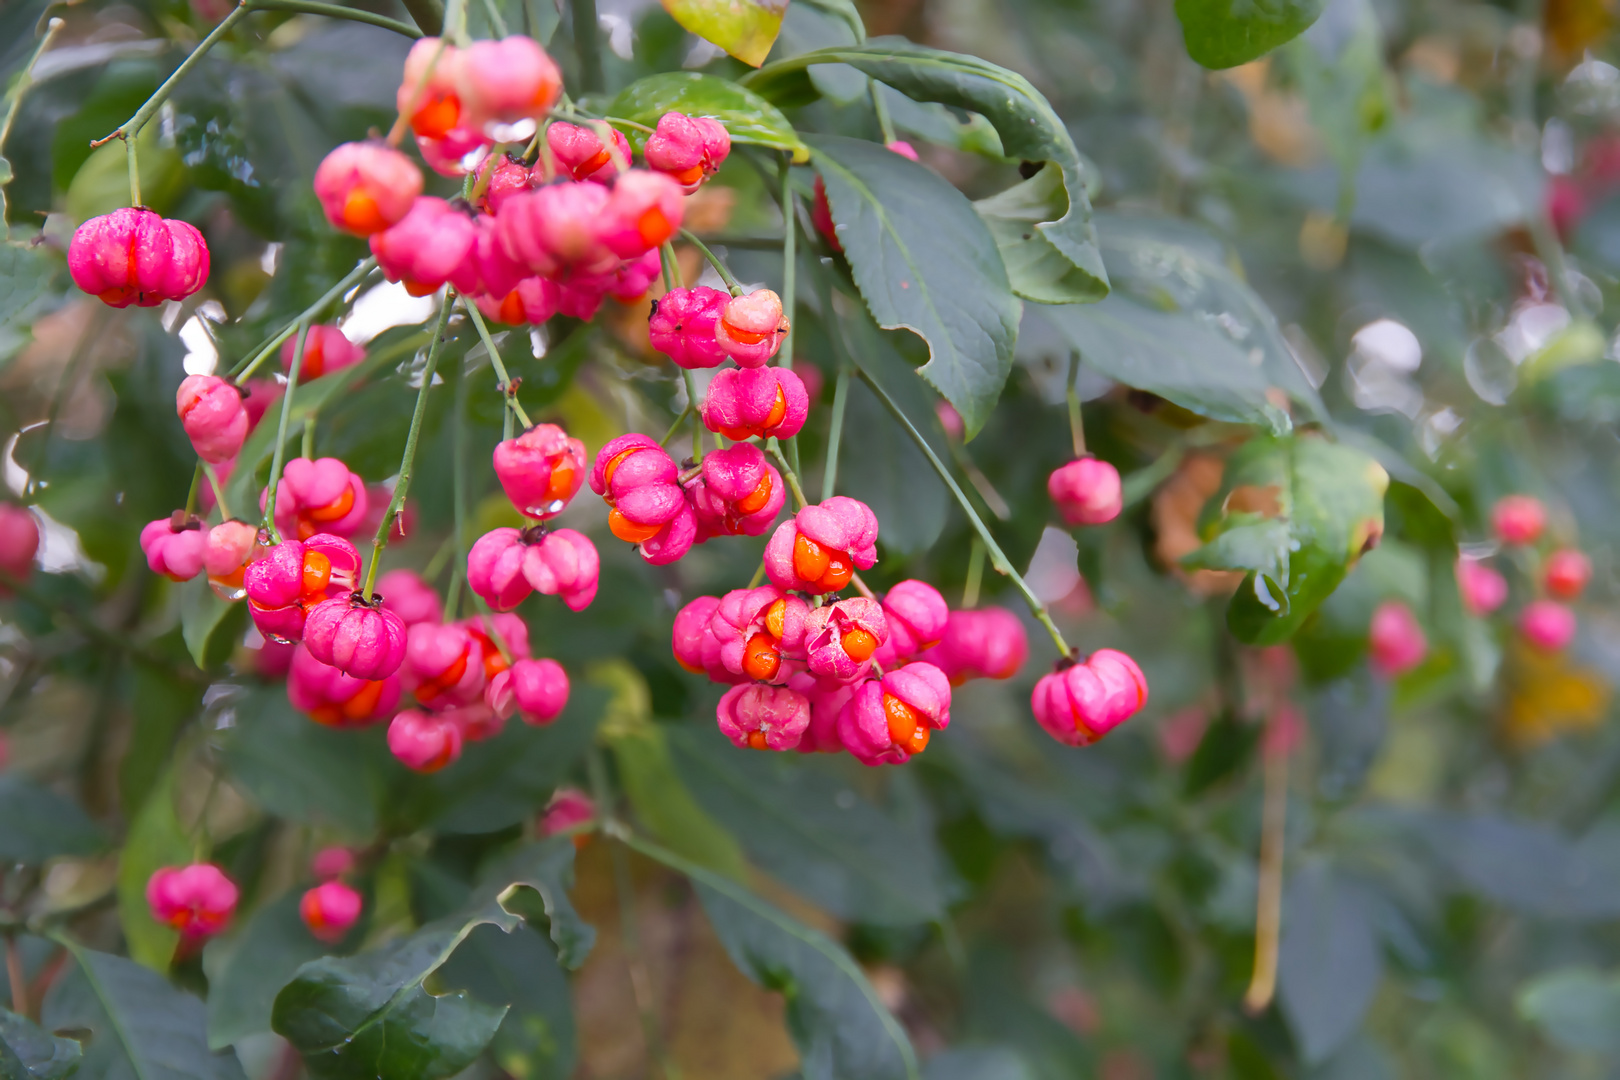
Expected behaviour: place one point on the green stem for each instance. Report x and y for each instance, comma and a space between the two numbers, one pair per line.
309, 435
458, 453
835, 435
697, 421
408, 461
998, 558
219, 491
668, 266
246, 368
719, 267
338, 11
196, 486
24, 81
495, 19
132, 127
975, 575
676, 426
1077, 427
885, 122
508, 391
790, 262
281, 433
134, 173
587, 44
788, 474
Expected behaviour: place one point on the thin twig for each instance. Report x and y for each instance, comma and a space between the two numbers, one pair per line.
1077, 427
835, 435
714, 260
508, 391
279, 457
246, 368
1268, 905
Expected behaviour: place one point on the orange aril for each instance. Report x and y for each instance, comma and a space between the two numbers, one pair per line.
594, 162
654, 227
436, 116
810, 559
612, 467
778, 411
746, 337
903, 720
696, 669
756, 739
420, 288
628, 530
776, 619
317, 573
562, 480
858, 644
688, 176
361, 705
334, 509
919, 739
757, 498
327, 715
361, 213
839, 571
511, 312
761, 661
446, 679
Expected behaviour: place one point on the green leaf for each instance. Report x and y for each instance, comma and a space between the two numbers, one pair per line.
155, 840
1037, 270
748, 118
1227, 746
537, 1040
813, 832
1329, 963
1577, 1009
140, 1026
24, 273
28, 1053
37, 824
835, 1016
1226, 33
371, 1016
162, 704
1030, 130
744, 28
1181, 323
924, 262
1328, 499
248, 969
211, 626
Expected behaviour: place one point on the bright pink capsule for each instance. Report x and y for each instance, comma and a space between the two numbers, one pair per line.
320, 496
916, 615
1080, 703
359, 638
556, 231
510, 177
1086, 492
444, 665
643, 212
1518, 519
682, 324
431, 245
495, 568
133, 256
819, 550
765, 401
502, 82
761, 717
197, 900
531, 300
563, 563
581, 155
737, 493
335, 699
174, 546
329, 909
688, 149
427, 91
695, 645
215, 419
228, 549
889, 720
985, 643
1483, 590
569, 807
365, 188
757, 632
326, 350
293, 577
536, 689
405, 594
1547, 625
19, 541
751, 328
841, 638
541, 470
640, 482
455, 153
424, 742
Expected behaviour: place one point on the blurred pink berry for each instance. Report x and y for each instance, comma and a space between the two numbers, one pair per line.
1086, 492
840, 638
1395, 639
427, 90
889, 720
695, 645
917, 616
1518, 519
737, 493
1080, 703
133, 256
258, 395
986, 643
366, 187
643, 212
763, 717
405, 594
444, 665
329, 909
335, 699
633, 277
502, 82
682, 324
325, 350
949, 418
536, 689
431, 245
765, 401
568, 807
230, 546
1483, 589
1547, 625
508, 177
563, 563
211, 411
332, 862
820, 549
424, 742
581, 155
513, 633
556, 231
295, 576
751, 328
639, 481
320, 496
689, 149
174, 546
455, 153
755, 631
197, 900
540, 470
1567, 573
19, 541
531, 300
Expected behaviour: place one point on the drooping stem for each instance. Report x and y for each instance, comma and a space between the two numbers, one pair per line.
975, 575
790, 255
246, 368
881, 109
1077, 427
219, 491
508, 391
676, 426
458, 475
998, 558
408, 460
134, 172
495, 19
1268, 905
668, 266
587, 44
788, 474
835, 435
714, 260
697, 420
338, 11
429, 15
196, 486
281, 433
132, 127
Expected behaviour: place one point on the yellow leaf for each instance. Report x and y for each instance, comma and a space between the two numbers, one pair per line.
744, 28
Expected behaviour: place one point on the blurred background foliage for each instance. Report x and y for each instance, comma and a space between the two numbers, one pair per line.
1407, 217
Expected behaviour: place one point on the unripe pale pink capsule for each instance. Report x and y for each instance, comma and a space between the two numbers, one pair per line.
174, 546
689, 149
231, 545
644, 211
408, 596
365, 188
764, 401
751, 328
19, 541
197, 900
820, 549
763, 717
889, 720
133, 256
335, 699
329, 909
1081, 703
581, 155
215, 419
358, 638
564, 564
431, 245
1567, 573
1086, 492
1395, 640
986, 643
536, 689
502, 82
1518, 519
1483, 590
424, 742
682, 324
540, 470
1547, 625
326, 350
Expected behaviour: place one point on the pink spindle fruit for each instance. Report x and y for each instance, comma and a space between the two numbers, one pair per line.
737, 493
405, 594
320, 496
642, 213
987, 643
756, 631
688, 149
197, 900
133, 256
916, 616
215, 419
174, 546
563, 563
502, 82
639, 481
332, 862
556, 231
1483, 590
329, 909
695, 645
229, 547
444, 665
540, 470
751, 328
1567, 573
1086, 492
365, 188
424, 742
427, 91
359, 638
431, 245
536, 689
1395, 639
1081, 702
765, 401
763, 717
325, 350
1518, 519
581, 155
19, 541
889, 720
568, 807
334, 699
682, 324
840, 638
295, 576
822, 547
1547, 625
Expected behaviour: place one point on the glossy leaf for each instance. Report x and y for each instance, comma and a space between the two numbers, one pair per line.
925, 262
1577, 1009
537, 1039
743, 28
140, 1026
1329, 963
1037, 270
37, 824
748, 118
1226, 33
835, 1016
1296, 513
813, 832
248, 969
28, 1053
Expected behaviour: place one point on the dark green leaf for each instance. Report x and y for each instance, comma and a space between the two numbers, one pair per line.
27, 1053
1578, 1009
909, 504
37, 824
925, 262
748, 117
1227, 746
211, 626
834, 1015
140, 1026
814, 833
23, 276
1329, 963
248, 969
1226, 33
1037, 270
537, 1039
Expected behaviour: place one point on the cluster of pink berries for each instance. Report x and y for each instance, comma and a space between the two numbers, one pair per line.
1546, 623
